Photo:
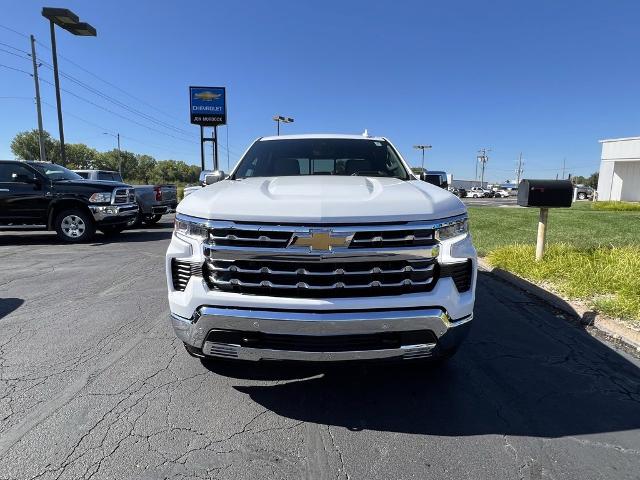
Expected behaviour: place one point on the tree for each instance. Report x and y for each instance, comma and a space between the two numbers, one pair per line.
145, 167
80, 156
26, 146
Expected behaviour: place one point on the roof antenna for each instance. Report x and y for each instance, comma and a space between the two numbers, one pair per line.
365, 133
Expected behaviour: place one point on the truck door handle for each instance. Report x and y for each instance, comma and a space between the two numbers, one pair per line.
4, 189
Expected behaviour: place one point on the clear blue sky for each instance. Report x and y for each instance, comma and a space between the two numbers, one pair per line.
547, 78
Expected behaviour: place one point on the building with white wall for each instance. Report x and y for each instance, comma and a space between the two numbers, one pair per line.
620, 170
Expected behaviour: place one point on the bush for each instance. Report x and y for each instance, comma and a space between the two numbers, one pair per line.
617, 206
604, 277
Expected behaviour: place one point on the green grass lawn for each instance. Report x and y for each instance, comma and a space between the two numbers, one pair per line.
592, 255
579, 226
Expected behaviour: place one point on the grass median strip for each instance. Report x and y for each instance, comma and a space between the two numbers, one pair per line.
593, 255
606, 278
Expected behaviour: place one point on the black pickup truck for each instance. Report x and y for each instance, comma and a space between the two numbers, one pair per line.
46, 195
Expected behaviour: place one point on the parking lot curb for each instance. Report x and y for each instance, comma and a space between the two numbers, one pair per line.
609, 326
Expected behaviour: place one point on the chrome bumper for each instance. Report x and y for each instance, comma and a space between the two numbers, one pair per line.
194, 331
105, 212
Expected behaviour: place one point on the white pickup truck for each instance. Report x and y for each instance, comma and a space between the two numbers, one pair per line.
321, 248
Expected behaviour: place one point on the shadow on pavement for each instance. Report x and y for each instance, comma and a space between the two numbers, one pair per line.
8, 305
161, 231
522, 371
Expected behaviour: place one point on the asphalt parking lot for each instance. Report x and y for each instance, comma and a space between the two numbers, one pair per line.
94, 384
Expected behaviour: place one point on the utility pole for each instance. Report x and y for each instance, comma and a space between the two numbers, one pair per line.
563, 166
119, 154
520, 169
43, 153
483, 158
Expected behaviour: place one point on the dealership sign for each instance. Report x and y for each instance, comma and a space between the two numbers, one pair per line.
208, 106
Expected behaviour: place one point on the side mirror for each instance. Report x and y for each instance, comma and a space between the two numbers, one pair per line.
208, 177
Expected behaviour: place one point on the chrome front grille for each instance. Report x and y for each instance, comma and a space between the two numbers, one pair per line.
249, 238
361, 236
321, 261
124, 195
321, 279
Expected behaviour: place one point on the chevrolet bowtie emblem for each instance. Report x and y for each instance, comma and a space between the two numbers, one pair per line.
321, 240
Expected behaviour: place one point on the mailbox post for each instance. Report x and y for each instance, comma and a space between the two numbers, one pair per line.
542, 233
544, 194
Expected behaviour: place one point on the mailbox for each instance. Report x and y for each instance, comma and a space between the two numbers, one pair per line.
545, 193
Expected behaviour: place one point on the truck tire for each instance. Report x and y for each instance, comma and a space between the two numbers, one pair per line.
112, 229
74, 226
152, 219
582, 196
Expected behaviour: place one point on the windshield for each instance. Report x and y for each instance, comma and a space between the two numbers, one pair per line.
321, 156
55, 172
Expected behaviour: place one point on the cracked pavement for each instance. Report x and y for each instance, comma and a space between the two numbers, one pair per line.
94, 384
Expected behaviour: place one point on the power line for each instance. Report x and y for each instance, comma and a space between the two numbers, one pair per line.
14, 54
14, 31
109, 83
108, 130
14, 48
117, 114
16, 69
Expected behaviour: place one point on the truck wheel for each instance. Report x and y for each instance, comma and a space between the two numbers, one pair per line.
582, 196
74, 226
152, 219
112, 229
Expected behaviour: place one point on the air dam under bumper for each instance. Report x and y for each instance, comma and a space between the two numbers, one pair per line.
195, 332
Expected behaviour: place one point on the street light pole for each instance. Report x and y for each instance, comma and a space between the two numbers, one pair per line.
43, 153
117, 136
423, 148
56, 79
280, 118
69, 21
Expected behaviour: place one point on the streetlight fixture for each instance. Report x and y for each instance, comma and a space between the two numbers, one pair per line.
68, 21
117, 136
423, 148
280, 118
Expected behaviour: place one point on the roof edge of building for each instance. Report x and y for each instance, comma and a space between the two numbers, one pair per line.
622, 139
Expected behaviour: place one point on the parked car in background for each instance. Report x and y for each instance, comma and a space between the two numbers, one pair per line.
476, 192
435, 177
153, 200
583, 192
457, 191
42, 195
501, 193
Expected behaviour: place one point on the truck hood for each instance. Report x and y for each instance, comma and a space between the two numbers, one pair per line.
321, 199
102, 185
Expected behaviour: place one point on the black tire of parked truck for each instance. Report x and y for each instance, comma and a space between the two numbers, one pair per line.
74, 226
152, 219
112, 229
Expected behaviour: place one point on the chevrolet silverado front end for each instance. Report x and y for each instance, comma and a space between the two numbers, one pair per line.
321, 248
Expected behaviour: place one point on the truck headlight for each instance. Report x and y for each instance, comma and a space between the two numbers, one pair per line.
190, 229
100, 197
453, 229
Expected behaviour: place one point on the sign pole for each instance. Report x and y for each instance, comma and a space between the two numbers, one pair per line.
542, 233
215, 144
201, 147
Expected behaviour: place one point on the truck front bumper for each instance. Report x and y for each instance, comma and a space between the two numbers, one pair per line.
114, 213
326, 336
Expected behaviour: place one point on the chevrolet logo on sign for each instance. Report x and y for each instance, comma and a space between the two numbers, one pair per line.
323, 240
207, 96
